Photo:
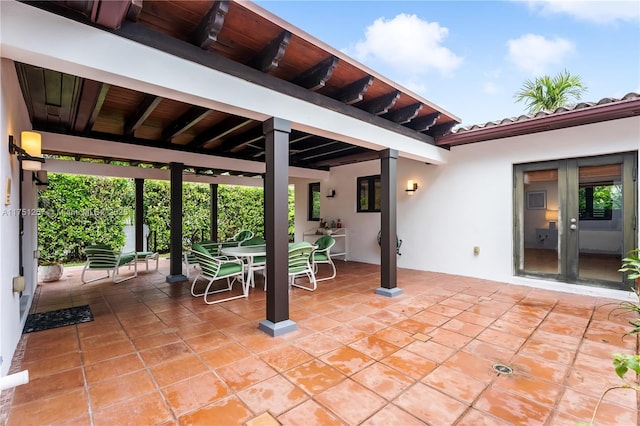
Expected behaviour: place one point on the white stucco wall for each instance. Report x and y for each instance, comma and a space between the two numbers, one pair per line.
13, 119
467, 202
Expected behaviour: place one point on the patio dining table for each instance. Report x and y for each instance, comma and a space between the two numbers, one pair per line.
249, 253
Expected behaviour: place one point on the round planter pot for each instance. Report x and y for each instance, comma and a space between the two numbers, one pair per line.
50, 273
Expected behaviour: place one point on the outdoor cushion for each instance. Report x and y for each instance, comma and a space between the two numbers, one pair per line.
201, 249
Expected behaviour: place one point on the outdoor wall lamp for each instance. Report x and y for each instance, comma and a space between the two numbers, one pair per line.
411, 187
30, 153
331, 193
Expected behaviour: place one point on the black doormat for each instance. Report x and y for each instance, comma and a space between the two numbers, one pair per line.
53, 319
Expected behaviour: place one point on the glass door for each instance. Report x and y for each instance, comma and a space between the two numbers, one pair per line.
575, 219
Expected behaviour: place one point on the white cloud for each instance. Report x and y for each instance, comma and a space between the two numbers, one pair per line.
490, 88
597, 11
406, 44
535, 54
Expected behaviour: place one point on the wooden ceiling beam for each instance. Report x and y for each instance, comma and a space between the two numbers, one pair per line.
318, 148
381, 104
354, 92
342, 147
368, 155
143, 111
422, 124
298, 136
404, 115
240, 142
269, 58
111, 13
92, 96
441, 129
181, 49
219, 131
107, 13
185, 122
207, 32
134, 10
315, 77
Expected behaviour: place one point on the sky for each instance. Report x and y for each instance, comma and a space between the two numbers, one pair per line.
471, 57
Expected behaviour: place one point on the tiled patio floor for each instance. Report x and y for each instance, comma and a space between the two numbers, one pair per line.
156, 355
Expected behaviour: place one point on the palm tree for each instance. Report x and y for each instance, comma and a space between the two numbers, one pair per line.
550, 93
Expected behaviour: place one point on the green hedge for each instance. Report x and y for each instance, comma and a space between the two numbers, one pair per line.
76, 211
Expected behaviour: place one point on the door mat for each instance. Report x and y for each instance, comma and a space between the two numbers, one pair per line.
60, 318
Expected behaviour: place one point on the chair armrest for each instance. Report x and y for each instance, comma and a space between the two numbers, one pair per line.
229, 259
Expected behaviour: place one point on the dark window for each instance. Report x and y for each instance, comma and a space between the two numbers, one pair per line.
598, 201
314, 201
369, 194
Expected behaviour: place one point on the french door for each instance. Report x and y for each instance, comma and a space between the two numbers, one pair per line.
575, 219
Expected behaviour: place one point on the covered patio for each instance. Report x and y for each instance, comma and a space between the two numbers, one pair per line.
156, 355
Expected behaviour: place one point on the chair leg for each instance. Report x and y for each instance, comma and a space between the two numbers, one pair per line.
117, 268
245, 290
333, 268
312, 279
85, 269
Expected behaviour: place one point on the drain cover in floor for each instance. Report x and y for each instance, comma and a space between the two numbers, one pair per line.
502, 369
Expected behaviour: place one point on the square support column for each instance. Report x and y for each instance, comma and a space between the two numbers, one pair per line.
175, 245
139, 222
388, 250
213, 220
276, 225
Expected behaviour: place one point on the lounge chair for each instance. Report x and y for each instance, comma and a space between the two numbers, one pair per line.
101, 257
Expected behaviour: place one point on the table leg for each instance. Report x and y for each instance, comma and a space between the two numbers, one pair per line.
250, 278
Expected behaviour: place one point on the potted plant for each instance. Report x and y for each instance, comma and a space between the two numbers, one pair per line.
631, 264
50, 266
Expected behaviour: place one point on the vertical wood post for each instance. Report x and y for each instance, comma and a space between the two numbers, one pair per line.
139, 220
388, 261
175, 248
276, 226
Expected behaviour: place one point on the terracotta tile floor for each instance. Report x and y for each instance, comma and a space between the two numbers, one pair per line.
156, 355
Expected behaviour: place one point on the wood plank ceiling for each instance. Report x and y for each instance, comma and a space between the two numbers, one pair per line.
248, 41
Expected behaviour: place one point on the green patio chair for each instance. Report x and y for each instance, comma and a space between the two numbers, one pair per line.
300, 264
189, 260
214, 268
322, 254
101, 257
241, 236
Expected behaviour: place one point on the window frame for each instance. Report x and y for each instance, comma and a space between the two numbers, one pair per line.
370, 182
314, 188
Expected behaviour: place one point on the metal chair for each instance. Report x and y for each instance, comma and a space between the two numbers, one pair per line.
300, 264
322, 254
101, 257
214, 269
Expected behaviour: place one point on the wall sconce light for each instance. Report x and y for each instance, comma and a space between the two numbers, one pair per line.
30, 153
551, 216
411, 187
331, 193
